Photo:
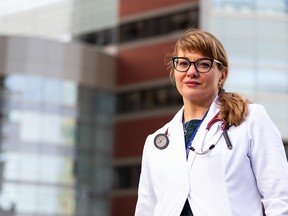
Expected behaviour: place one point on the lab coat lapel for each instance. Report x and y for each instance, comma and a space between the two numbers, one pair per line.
176, 133
177, 145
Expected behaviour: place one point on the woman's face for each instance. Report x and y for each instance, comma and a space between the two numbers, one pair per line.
200, 88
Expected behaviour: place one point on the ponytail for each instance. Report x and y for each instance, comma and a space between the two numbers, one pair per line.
234, 107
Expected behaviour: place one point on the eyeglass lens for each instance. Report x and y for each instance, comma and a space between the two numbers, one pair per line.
202, 65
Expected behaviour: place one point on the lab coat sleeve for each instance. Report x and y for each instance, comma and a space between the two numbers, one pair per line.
268, 161
146, 197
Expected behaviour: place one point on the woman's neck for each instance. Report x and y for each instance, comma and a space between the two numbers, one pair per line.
193, 111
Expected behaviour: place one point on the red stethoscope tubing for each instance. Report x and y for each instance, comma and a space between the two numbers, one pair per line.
225, 127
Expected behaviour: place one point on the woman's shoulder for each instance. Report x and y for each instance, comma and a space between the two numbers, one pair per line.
257, 112
256, 109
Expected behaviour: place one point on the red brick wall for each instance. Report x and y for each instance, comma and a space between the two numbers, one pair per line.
123, 206
143, 63
131, 7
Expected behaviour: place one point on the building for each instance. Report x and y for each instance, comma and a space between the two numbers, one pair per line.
78, 101
54, 109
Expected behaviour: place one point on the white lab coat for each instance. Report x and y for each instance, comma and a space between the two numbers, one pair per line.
222, 183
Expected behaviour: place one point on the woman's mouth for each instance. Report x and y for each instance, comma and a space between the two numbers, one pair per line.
191, 83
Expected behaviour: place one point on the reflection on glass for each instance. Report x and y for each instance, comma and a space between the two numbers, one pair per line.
49, 140
36, 89
242, 78
69, 93
273, 81
53, 91
263, 6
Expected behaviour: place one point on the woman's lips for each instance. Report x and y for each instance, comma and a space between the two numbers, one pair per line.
192, 83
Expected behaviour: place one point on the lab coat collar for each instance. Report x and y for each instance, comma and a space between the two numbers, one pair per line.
176, 126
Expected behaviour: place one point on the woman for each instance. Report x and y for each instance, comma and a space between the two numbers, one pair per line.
219, 155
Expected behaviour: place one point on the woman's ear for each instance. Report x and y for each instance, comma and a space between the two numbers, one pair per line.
224, 75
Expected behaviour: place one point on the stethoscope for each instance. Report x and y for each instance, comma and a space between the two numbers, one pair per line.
161, 141
224, 127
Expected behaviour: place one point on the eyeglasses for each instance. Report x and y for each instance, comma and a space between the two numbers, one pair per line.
202, 65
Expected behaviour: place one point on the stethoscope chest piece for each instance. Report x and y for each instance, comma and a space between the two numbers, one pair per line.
161, 141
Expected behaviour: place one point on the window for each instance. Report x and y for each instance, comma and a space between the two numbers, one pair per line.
102, 37
159, 25
147, 99
145, 28
126, 177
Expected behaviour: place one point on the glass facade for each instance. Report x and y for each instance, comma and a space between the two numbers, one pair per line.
255, 34
55, 147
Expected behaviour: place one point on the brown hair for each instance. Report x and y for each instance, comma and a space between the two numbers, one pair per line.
234, 107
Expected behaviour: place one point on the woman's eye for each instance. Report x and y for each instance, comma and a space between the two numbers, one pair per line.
204, 64
183, 63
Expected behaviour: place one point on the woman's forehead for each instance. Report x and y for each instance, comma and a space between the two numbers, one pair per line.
192, 53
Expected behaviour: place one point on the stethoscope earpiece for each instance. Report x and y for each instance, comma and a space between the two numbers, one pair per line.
227, 139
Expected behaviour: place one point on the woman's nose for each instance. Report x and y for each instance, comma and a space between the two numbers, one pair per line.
192, 72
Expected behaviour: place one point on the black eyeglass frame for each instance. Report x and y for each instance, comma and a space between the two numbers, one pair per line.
194, 63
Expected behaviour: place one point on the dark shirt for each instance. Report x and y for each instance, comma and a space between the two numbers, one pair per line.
186, 211
189, 127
